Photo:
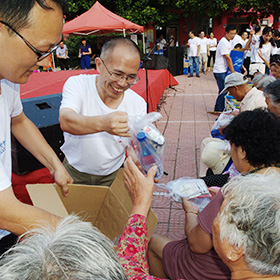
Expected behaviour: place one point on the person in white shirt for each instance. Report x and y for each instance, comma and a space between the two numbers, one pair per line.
94, 114
162, 43
222, 62
204, 49
262, 47
247, 53
212, 49
194, 45
62, 56
236, 40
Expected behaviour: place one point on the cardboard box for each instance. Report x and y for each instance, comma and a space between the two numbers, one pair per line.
105, 207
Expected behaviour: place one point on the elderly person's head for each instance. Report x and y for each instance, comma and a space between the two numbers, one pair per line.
264, 82
272, 97
257, 78
75, 250
246, 232
254, 138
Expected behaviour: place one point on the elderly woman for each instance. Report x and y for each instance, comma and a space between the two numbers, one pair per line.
254, 137
246, 232
272, 97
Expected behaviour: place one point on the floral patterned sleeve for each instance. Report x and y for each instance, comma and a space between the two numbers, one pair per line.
132, 249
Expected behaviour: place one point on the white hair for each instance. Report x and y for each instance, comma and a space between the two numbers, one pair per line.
74, 250
251, 220
265, 81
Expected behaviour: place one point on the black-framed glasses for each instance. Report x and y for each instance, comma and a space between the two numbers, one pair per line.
41, 55
131, 80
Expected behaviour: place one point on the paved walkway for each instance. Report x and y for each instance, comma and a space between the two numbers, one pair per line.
185, 124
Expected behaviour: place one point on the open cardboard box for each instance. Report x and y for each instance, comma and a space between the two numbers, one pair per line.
105, 207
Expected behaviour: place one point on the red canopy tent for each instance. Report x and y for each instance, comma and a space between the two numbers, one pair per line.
99, 20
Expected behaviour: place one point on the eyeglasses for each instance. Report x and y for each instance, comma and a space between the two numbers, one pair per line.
41, 55
131, 80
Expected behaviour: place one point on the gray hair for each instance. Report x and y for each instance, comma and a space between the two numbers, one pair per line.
74, 250
272, 91
257, 78
251, 220
265, 81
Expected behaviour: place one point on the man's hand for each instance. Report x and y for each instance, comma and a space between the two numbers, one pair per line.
116, 124
62, 178
139, 186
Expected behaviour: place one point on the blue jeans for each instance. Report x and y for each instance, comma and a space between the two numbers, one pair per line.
220, 101
85, 62
194, 60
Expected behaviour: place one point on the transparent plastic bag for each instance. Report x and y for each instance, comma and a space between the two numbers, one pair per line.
147, 142
224, 119
195, 190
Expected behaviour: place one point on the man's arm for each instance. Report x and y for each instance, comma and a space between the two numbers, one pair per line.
18, 217
31, 138
229, 62
198, 50
77, 124
199, 241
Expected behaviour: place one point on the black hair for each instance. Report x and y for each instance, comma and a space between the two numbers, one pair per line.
276, 33
272, 90
230, 27
17, 12
238, 46
257, 28
265, 31
275, 59
258, 133
109, 45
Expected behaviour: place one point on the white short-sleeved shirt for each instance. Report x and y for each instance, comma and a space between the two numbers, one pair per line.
236, 40
203, 45
98, 153
252, 100
161, 44
194, 43
10, 106
61, 51
212, 42
223, 48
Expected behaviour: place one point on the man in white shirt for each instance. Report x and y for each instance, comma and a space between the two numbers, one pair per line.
94, 114
194, 45
162, 43
39, 23
62, 56
222, 62
203, 53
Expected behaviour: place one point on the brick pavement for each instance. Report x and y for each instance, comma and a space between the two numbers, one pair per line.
184, 124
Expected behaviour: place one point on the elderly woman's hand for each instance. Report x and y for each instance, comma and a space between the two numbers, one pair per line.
140, 186
189, 207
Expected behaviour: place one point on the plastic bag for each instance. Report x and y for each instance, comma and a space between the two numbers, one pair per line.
147, 142
195, 190
224, 119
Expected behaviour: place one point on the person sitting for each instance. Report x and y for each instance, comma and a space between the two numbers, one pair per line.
272, 97
248, 239
194, 257
77, 250
265, 81
74, 250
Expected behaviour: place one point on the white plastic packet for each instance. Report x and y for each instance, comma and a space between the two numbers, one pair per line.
192, 189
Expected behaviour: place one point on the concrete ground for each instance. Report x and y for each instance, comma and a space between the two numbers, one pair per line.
185, 124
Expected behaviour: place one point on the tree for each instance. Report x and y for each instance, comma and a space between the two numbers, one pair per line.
264, 8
